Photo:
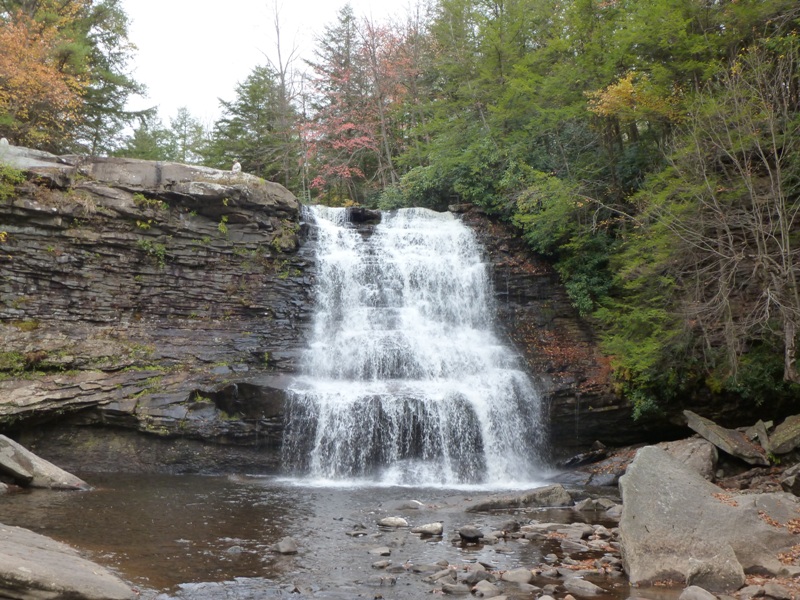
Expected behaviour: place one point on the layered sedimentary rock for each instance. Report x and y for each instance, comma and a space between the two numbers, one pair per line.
142, 297
150, 296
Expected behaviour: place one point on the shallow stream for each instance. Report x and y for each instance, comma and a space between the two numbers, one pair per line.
198, 537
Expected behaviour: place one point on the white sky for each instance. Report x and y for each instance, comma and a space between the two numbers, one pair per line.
191, 53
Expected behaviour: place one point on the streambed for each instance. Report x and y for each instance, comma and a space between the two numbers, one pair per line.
210, 536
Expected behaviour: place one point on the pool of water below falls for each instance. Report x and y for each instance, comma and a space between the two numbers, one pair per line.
198, 537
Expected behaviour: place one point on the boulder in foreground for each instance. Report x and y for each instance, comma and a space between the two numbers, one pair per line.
677, 526
34, 567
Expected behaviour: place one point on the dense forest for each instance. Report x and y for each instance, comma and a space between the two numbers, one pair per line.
650, 148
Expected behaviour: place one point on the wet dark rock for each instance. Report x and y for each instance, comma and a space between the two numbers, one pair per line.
470, 534
359, 214
597, 452
34, 567
27, 469
730, 441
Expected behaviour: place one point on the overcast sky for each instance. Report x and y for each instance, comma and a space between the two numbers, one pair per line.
189, 55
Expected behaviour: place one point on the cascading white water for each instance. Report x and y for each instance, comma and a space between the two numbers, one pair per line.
405, 381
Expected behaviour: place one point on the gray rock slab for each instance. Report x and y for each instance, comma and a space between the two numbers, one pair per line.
548, 496
28, 469
675, 522
35, 567
731, 441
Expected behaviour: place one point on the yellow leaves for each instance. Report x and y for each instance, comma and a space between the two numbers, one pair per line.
615, 99
632, 98
35, 93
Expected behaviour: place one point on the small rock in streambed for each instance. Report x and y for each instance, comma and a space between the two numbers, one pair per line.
470, 534
429, 529
484, 589
393, 522
411, 505
439, 575
475, 576
455, 589
286, 546
581, 587
521, 575
381, 564
381, 551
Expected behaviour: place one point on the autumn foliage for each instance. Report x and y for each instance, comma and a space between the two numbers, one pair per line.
37, 96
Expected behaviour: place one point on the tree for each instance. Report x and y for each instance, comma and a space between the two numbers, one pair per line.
186, 136
73, 49
251, 130
738, 176
38, 98
338, 136
150, 140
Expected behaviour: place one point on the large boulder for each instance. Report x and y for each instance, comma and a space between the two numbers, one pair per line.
678, 526
28, 469
34, 567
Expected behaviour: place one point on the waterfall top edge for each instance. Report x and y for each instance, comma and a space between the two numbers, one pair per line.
340, 215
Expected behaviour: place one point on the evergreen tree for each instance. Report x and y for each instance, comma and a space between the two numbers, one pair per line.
253, 130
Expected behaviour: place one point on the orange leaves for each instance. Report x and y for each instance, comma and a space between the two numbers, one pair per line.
36, 97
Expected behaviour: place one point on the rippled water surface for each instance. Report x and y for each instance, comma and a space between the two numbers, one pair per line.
182, 536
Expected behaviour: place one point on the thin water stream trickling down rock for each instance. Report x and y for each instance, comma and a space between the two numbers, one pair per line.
152, 315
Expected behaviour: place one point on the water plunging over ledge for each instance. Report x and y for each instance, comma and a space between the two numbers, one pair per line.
405, 381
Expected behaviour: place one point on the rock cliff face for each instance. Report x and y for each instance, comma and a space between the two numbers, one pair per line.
151, 298
558, 346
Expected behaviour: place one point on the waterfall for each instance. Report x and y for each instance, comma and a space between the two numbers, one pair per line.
405, 381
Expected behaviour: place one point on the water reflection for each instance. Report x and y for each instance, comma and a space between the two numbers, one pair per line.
159, 531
